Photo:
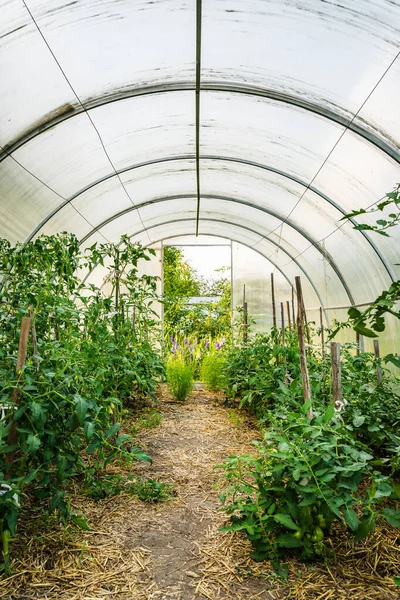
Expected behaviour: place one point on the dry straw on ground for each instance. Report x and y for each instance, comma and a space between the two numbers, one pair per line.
173, 550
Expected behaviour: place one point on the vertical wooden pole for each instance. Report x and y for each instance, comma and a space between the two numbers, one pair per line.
294, 316
358, 343
321, 322
34, 340
305, 318
337, 395
288, 314
283, 323
379, 373
302, 347
273, 300
16, 393
245, 317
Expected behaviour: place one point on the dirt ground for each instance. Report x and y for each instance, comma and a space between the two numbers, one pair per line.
173, 549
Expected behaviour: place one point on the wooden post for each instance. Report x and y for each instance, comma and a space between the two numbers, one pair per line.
302, 347
16, 393
34, 340
379, 373
358, 343
294, 316
273, 300
245, 318
337, 395
321, 321
305, 318
283, 323
288, 314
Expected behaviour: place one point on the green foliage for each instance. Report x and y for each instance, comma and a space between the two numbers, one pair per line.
179, 377
212, 370
303, 477
90, 357
195, 321
149, 419
151, 490
371, 321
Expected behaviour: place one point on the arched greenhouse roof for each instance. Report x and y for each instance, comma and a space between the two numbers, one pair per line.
261, 121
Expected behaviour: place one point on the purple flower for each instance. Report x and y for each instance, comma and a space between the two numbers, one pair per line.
173, 349
206, 344
171, 337
185, 341
217, 345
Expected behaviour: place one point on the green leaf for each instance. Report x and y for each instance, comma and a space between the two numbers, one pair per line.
328, 414
397, 581
284, 519
112, 430
365, 527
383, 490
93, 446
81, 408
392, 516
122, 438
141, 455
81, 522
89, 430
351, 518
360, 328
358, 420
286, 540
33, 442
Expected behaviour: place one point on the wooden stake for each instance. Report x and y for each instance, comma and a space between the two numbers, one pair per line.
358, 343
288, 314
302, 348
337, 395
321, 321
34, 340
16, 393
294, 316
379, 373
245, 318
305, 318
283, 323
273, 300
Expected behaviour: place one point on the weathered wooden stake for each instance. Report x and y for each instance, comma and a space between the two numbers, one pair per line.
321, 321
293, 312
337, 395
305, 318
379, 373
34, 340
16, 393
283, 323
245, 316
288, 314
302, 347
358, 343
273, 300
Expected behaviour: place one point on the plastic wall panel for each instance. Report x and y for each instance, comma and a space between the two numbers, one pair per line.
34, 88
111, 46
254, 271
24, 201
67, 219
72, 147
147, 127
281, 136
330, 53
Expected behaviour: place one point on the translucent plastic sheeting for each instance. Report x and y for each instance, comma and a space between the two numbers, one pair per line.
252, 270
332, 53
200, 240
104, 49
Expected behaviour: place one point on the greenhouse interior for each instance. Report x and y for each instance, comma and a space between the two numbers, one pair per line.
223, 431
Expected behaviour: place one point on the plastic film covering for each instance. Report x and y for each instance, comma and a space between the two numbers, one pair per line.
259, 122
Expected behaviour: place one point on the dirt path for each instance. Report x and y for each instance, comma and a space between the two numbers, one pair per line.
189, 557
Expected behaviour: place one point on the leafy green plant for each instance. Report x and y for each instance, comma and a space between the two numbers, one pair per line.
179, 377
151, 490
86, 354
149, 419
303, 477
212, 370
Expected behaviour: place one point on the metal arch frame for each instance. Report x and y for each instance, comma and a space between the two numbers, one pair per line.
285, 98
230, 223
237, 201
215, 158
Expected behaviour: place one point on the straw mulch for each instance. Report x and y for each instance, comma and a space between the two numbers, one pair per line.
173, 550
